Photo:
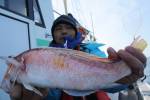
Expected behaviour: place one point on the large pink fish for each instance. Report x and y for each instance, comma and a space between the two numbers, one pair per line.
75, 72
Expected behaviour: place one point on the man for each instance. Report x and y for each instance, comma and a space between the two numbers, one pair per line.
65, 35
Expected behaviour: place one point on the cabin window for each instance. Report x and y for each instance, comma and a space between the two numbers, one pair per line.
26, 8
37, 17
37, 14
18, 6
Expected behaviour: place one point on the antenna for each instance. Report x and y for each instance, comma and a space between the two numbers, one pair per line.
92, 27
65, 6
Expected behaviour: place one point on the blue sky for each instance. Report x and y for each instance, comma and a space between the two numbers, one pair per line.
115, 22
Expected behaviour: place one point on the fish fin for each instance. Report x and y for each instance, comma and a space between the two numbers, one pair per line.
31, 88
78, 92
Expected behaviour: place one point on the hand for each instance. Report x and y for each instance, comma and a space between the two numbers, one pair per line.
20, 93
73, 42
134, 59
16, 92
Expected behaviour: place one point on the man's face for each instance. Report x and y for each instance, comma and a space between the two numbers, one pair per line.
62, 30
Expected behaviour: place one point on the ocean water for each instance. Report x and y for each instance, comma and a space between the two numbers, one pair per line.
147, 71
4, 96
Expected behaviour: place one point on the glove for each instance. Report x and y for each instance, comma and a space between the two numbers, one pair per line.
136, 61
72, 42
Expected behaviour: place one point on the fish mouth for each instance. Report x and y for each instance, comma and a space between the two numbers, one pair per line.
6, 85
8, 82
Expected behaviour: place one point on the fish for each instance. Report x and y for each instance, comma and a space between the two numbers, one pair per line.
75, 72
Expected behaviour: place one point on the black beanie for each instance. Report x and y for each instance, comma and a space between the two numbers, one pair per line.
64, 19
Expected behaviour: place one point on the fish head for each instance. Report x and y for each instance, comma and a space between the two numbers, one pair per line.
11, 74
14, 66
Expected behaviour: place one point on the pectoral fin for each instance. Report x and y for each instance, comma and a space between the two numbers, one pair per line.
31, 88
78, 93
